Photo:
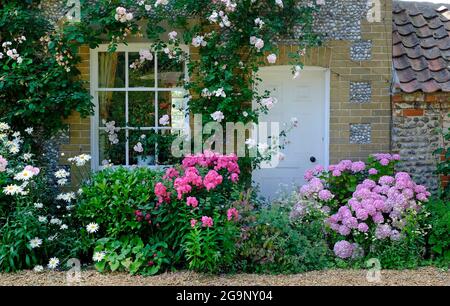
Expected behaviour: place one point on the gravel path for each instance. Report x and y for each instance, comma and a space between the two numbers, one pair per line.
428, 276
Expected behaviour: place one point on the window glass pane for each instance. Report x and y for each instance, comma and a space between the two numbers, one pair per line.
164, 108
165, 139
112, 147
170, 72
171, 103
141, 108
141, 74
111, 70
142, 147
111, 107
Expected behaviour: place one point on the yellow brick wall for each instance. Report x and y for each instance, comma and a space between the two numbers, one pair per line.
334, 55
79, 128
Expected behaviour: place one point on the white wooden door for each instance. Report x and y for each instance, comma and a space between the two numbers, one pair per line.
306, 99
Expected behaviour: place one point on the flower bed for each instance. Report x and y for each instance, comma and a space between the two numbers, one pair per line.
200, 216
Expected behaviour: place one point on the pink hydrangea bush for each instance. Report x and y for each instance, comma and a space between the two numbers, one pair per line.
336, 184
370, 206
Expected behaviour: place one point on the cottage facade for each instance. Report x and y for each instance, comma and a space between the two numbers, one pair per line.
343, 98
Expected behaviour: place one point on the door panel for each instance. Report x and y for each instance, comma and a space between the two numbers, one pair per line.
303, 98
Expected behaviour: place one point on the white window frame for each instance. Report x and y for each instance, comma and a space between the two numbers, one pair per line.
95, 128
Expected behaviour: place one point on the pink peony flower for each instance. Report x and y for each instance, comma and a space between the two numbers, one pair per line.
234, 177
207, 221
161, 192
212, 179
232, 213
192, 201
171, 173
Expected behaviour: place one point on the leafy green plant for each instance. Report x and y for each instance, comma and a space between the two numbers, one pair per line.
131, 254
275, 241
439, 240
112, 196
443, 164
212, 249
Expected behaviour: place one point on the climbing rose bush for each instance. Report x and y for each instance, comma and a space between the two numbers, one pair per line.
368, 207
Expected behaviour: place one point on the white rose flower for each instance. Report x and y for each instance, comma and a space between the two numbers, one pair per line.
272, 58
217, 116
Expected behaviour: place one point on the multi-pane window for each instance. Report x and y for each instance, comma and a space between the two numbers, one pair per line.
138, 111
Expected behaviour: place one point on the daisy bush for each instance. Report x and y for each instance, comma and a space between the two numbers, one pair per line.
35, 229
371, 210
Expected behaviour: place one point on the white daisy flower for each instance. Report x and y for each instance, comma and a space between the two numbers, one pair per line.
61, 173
24, 175
138, 148
12, 190
92, 228
55, 221
67, 197
4, 126
62, 182
42, 219
98, 256
53, 263
27, 156
35, 242
38, 205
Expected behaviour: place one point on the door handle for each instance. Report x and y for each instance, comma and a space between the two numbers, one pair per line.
312, 159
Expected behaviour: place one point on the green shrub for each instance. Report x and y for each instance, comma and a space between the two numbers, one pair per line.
439, 238
443, 165
112, 196
188, 210
212, 249
274, 241
131, 254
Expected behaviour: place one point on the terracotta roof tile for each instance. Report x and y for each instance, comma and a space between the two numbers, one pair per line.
421, 46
